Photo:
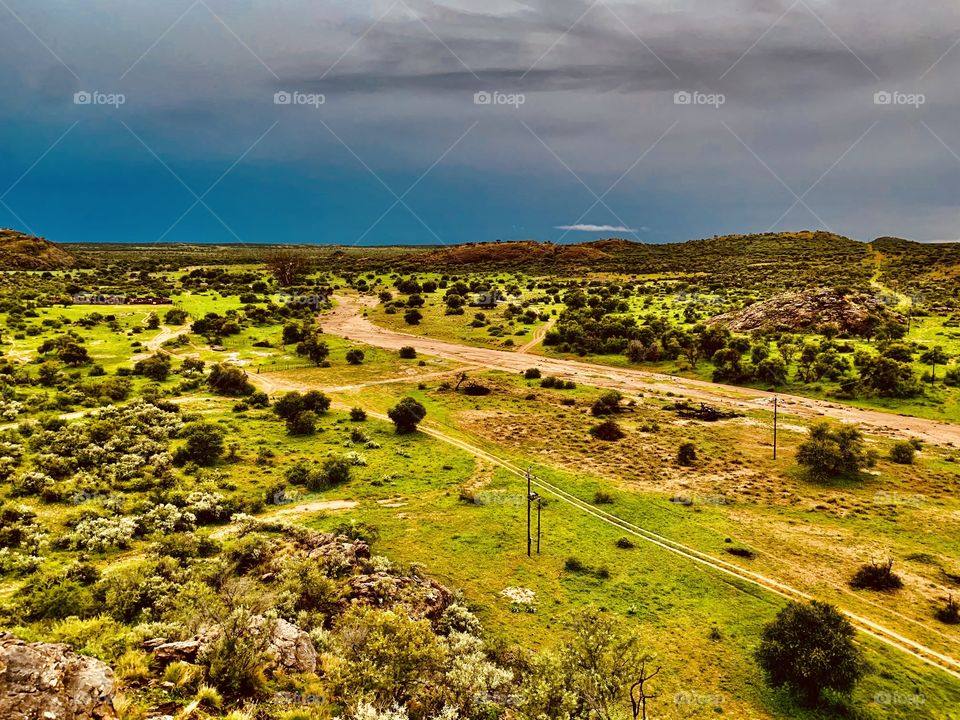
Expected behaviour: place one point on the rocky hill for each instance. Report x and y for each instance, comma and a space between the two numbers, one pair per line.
19, 251
807, 309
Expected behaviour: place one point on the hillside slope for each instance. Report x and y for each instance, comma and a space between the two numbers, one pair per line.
19, 251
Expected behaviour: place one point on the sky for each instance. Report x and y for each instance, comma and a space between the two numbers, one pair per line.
408, 122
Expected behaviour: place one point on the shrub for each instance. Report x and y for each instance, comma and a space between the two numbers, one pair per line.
413, 316
237, 659
876, 576
601, 497
742, 552
407, 352
607, 404
303, 423
902, 452
808, 649
407, 414
832, 450
687, 454
156, 367
205, 443
949, 613
355, 356
532, 374
229, 380
476, 389
607, 430
625, 543
358, 414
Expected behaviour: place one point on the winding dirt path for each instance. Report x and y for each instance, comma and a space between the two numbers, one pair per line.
347, 320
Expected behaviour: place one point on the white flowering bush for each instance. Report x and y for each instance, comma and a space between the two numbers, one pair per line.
471, 676
16, 563
521, 599
355, 459
100, 533
9, 409
31, 483
167, 518
206, 506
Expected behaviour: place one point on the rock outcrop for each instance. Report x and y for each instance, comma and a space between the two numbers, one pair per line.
290, 647
46, 681
807, 309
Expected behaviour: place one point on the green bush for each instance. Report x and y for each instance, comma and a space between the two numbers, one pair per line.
903, 452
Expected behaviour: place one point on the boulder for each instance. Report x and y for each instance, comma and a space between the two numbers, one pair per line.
47, 681
292, 648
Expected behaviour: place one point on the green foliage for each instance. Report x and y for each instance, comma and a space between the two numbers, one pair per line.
229, 380
876, 576
809, 649
205, 443
902, 452
830, 451
687, 454
407, 414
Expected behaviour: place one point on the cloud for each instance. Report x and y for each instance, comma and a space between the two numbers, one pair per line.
595, 228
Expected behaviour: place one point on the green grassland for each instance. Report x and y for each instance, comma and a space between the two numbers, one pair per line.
434, 503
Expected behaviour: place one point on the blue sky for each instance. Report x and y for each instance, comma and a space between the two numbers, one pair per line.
654, 121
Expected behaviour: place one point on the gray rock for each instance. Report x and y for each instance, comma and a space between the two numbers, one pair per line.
46, 681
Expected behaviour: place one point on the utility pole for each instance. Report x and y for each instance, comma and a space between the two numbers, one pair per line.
538, 523
529, 539
774, 427
531, 496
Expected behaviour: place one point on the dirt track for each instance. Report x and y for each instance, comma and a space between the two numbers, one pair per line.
347, 320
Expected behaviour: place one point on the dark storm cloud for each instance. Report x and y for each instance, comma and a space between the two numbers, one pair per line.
798, 81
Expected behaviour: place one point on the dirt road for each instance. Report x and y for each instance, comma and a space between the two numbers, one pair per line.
347, 320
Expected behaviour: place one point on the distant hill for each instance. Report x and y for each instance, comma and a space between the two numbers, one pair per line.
519, 253
27, 252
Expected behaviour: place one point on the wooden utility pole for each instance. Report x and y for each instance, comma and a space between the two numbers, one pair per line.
529, 538
538, 524
774, 427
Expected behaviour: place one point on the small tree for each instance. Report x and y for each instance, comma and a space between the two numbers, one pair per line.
607, 430
314, 348
303, 423
407, 352
808, 649
355, 356
877, 576
205, 443
413, 316
607, 404
407, 414
902, 452
358, 414
933, 357
833, 450
687, 454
